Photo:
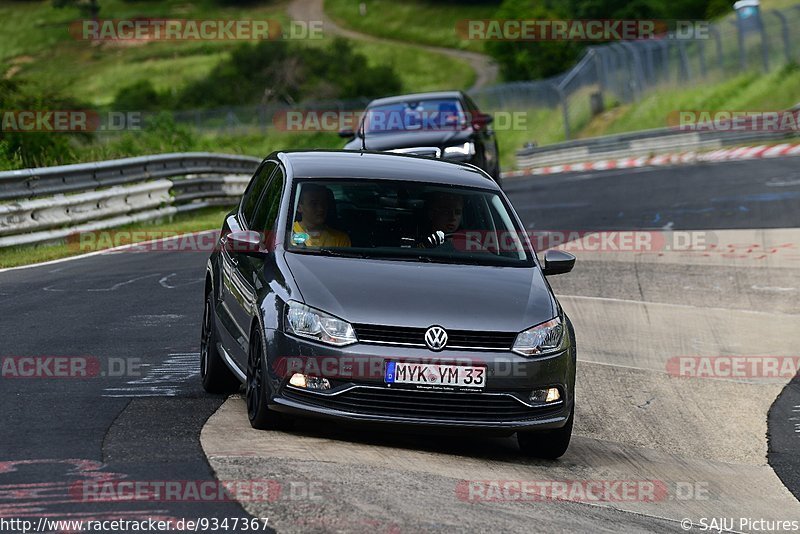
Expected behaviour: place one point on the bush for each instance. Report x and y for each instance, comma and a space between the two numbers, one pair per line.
141, 96
529, 60
278, 71
36, 149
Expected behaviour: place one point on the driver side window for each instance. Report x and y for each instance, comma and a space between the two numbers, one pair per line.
268, 207
254, 191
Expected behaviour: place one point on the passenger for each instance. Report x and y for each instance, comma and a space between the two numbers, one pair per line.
312, 229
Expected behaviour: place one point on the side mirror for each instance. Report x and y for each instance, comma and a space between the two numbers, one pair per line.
482, 120
247, 242
557, 262
347, 134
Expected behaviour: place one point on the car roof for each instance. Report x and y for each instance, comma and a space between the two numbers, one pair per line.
381, 166
416, 96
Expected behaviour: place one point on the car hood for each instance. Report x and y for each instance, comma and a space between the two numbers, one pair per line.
410, 294
388, 141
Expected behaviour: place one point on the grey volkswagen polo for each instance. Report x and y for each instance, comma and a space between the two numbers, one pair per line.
388, 288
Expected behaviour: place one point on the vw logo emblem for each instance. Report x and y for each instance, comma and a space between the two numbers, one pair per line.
436, 338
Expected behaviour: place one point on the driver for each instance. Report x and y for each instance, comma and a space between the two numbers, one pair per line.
444, 211
312, 229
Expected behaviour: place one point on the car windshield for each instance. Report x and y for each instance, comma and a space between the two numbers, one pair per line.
434, 114
406, 221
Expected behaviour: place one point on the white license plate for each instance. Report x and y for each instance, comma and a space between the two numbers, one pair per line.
435, 375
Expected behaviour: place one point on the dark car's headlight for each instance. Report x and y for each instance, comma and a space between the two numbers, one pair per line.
315, 324
459, 151
542, 339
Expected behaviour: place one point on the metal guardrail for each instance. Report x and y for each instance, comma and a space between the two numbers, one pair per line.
634, 144
50, 203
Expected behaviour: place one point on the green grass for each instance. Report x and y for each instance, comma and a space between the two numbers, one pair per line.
205, 219
417, 21
777, 90
541, 126
37, 44
419, 70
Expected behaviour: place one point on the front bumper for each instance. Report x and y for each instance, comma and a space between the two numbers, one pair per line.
359, 393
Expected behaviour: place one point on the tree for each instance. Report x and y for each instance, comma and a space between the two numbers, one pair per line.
88, 8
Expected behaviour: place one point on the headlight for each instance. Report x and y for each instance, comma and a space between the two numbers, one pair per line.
467, 149
541, 339
314, 324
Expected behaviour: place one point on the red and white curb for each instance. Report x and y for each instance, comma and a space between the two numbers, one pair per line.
727, 154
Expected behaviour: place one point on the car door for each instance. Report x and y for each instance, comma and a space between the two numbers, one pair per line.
249, 277
235, 292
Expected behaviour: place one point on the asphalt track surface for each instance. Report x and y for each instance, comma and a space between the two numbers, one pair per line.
706, 440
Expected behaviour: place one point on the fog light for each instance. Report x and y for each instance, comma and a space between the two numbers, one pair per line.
299, 380
545, 396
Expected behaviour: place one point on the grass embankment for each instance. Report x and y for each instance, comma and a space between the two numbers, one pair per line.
778, 90
37, 46
415, 21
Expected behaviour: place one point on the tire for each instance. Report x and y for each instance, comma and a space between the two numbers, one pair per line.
215, 374
257, 394
547, 444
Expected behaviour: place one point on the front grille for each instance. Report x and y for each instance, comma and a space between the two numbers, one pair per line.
416, 404
457, 339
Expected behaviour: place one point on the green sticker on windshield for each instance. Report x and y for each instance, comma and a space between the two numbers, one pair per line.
298, 238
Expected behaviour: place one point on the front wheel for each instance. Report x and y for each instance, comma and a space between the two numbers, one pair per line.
216, 376
547, 444
257, 396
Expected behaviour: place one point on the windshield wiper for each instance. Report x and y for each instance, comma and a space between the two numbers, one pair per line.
339, 253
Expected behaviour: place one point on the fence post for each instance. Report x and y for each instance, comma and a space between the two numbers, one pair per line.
564, 110
740, 40
787, 43
718, 41
685, 72
650, 62
764, 43
701, 47
665, 58
637, 74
